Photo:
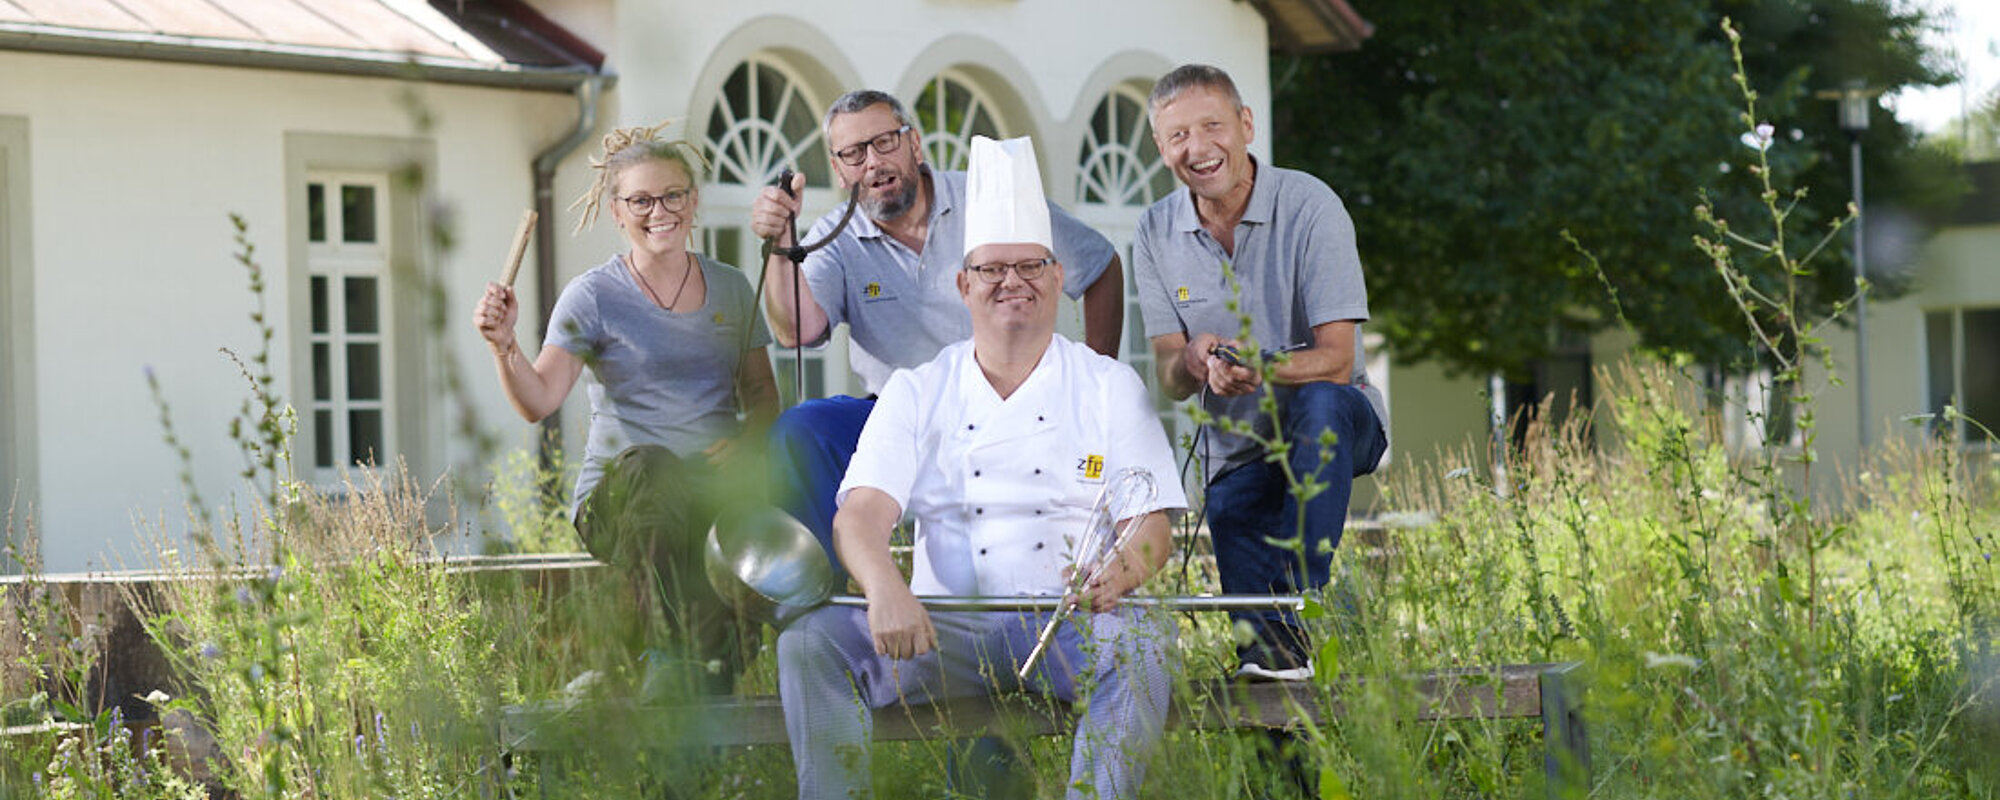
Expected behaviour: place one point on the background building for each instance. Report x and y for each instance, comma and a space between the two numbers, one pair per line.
378, 148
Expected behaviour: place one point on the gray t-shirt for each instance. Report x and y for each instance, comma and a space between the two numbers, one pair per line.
1296, 263
658, 377
902, 307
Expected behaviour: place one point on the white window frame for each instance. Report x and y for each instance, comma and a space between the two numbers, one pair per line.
754, 145
1116, 167
336, 260
1960, 429
950, 149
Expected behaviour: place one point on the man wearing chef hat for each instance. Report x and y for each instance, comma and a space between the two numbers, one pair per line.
999, 448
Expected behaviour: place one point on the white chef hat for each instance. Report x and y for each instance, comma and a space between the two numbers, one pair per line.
1003, 196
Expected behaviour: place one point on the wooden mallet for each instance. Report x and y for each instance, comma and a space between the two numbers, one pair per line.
520, 248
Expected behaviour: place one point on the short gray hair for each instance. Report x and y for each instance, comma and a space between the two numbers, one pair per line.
859, 100
1190, 76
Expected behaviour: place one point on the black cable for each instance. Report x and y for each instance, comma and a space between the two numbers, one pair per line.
797, 254
1201, 440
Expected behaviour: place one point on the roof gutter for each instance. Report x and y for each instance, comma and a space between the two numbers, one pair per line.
587, 92
296, 58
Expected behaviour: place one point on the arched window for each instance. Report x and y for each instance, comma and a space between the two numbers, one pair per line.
951, 110
766, 119
1118, 164
1119, 174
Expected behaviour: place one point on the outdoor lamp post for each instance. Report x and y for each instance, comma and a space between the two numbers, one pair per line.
1856, 101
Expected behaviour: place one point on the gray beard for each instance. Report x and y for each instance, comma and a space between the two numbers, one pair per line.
893, 206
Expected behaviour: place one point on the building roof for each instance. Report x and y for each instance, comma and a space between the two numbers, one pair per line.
1312, 26
485, 42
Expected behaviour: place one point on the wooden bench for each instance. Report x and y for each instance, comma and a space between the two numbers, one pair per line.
1551, 692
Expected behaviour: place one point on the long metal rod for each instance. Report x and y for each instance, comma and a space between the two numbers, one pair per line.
1860, 298
1201, 602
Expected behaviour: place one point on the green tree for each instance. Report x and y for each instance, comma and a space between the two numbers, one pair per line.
1465, 137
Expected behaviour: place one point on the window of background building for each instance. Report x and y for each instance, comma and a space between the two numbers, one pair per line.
351, 327
1961, 370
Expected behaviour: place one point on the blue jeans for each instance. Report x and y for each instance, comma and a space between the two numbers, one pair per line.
811, 444
1251, 503
1120, 664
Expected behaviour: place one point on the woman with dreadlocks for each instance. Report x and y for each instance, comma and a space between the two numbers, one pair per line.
676, 347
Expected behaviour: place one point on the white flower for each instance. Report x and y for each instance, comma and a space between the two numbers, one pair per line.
157, 697
1759, 139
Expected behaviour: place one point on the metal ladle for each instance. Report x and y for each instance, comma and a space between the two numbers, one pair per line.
763, 556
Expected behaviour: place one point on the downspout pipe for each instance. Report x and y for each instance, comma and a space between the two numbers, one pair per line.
587, 92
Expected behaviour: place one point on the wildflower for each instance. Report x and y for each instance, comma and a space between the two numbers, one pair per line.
210, 650
157, 697
360, 746
1759, 139
243, 596
256, 673
277, 573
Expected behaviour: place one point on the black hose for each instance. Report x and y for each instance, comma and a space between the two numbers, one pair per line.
797, 254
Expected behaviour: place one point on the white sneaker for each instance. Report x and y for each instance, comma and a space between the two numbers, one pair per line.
1253, 671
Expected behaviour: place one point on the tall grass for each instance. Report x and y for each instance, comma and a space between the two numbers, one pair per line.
1742, 638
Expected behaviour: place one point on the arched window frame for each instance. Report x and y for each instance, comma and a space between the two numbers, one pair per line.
952, 109
1118, 164
766, 118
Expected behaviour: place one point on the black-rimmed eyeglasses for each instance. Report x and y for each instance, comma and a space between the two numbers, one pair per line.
997, 271
642, 204
883, 145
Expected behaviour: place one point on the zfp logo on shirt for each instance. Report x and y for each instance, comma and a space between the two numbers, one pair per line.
1090, 467
872, 291
1181, 294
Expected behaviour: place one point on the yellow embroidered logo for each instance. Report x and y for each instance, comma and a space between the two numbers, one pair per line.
1091, 467
1181, 294
873, 290
718, 318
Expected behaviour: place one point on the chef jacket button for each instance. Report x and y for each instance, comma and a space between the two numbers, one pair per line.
975, 473
979, 511
1038, 418
1038, 545
1038, 512
968, 427
1038, 470
982, 551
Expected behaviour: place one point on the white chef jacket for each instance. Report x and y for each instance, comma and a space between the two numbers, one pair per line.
1001, 488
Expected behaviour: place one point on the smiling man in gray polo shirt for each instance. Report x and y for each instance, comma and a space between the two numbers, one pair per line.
1291, 246
890, 277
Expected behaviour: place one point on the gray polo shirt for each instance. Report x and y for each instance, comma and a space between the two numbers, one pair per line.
1296, 263
659, 377
902, 307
